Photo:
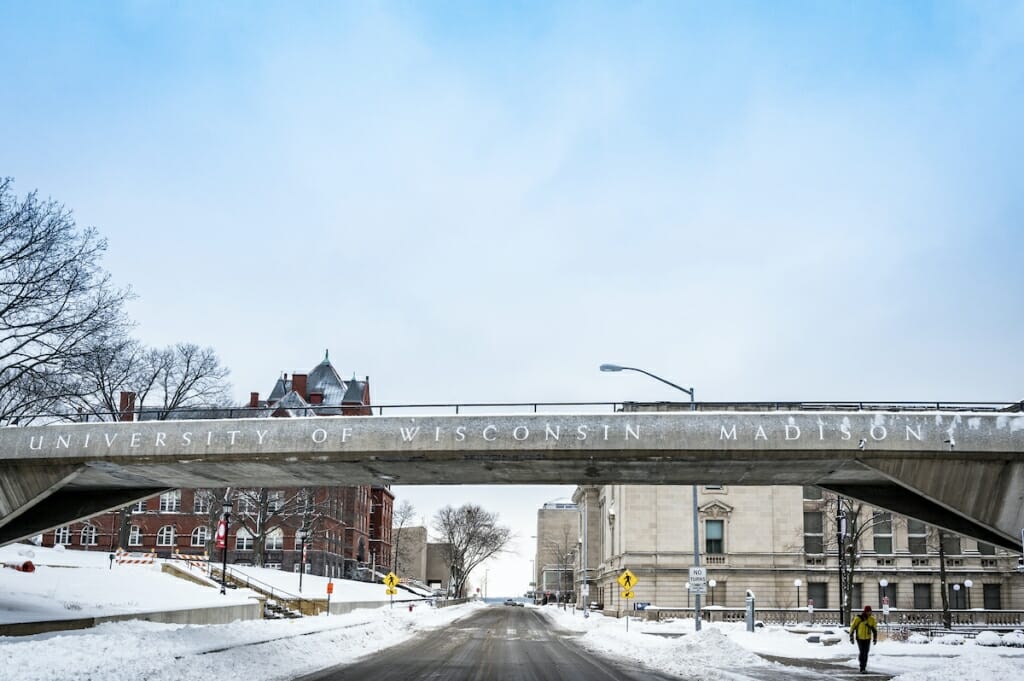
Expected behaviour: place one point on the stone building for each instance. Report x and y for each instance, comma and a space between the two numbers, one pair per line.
779, 542
558, 540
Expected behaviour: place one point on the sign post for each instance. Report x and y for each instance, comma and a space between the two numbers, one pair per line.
698, 587
330, 590
627, 580
391, 580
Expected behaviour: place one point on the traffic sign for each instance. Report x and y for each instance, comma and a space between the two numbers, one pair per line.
390, 591
698, 580
391, 579
628, 594
627, 580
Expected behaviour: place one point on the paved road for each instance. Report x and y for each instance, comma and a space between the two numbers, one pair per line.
496, 644
518, 644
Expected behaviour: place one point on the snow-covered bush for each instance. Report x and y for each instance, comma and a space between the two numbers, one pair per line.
1014, 639
950, 640
989, 639
918, 639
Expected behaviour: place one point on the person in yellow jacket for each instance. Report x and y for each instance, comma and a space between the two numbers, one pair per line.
865, 629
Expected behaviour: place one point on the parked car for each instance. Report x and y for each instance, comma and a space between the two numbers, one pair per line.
512, 601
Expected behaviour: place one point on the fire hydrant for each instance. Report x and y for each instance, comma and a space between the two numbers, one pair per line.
410, 607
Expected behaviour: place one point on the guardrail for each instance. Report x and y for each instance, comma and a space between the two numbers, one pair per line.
922, 619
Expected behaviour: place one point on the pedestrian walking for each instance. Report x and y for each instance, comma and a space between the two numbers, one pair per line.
864, 629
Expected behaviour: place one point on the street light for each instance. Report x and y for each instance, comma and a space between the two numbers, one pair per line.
956, 593
696, 521
301, 535
687, 594
797, 583
226, 508
712, 583
885, 600
967, 585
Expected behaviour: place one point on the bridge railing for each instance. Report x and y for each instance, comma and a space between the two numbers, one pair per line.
468, 408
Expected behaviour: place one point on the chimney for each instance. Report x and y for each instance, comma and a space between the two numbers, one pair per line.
127, 406
299, 384
254, 400
316, 397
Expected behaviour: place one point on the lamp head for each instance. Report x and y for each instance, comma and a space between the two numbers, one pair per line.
610, 367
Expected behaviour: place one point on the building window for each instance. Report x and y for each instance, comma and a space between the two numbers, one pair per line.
275, 540
991, 596
714, 536
170, 502
951, 544
62, 535
166, 536
200, 535
139, 506
986, 549
882, 526
135, 536
812, 492
857, 596
714, 488
275, 501
243, 540
272, 566
922, 596
888, 592
817, 593
917, 537
201, 503
814, 532
957, 597
88, 536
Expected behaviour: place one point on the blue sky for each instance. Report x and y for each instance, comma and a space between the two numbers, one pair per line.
767, 201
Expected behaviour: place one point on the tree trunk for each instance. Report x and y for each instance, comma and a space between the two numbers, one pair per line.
947, 616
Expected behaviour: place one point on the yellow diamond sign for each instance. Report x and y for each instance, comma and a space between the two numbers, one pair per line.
390, 580
627, 580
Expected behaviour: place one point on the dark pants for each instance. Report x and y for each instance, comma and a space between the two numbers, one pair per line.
864, 644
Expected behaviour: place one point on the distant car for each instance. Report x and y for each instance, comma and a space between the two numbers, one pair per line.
509, 601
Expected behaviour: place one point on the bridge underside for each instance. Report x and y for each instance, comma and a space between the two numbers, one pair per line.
982, 499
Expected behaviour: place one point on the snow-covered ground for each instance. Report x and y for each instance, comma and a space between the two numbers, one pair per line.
71, 584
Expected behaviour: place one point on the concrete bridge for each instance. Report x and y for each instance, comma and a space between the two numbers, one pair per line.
960, 470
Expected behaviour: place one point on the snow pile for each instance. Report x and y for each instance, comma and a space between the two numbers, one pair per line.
275, 650
971, 666
987, 639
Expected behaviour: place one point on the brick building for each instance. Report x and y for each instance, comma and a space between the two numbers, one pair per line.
350, 527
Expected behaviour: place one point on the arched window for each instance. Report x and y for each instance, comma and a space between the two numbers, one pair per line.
275, 540
135, 536
243, 540
200, 535
62, 535
88, 535
166, 536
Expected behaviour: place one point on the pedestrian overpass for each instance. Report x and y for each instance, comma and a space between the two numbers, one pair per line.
957, 468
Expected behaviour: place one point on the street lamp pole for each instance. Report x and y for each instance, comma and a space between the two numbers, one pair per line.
695, 509
797, 583
226, 508
967, 585
302, 533
884, 583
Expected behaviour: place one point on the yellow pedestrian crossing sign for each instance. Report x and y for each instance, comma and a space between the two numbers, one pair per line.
390, 580
391, 591
627, 580
628, 594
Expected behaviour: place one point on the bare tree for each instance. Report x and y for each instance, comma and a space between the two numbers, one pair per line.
55, 300
182, 376
400, 517
470, 535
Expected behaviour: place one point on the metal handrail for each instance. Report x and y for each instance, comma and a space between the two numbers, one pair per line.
224, 413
